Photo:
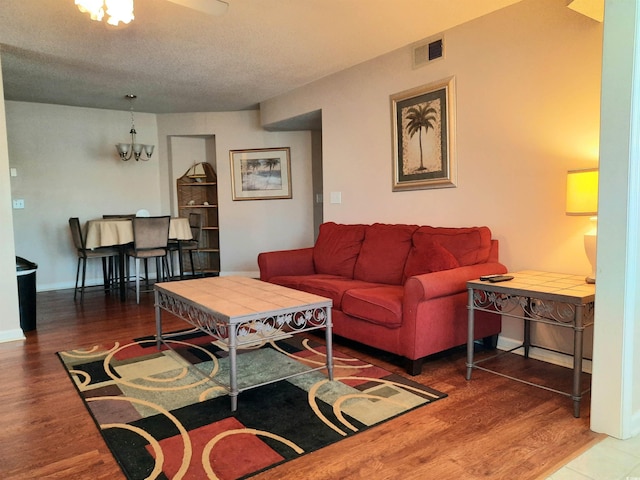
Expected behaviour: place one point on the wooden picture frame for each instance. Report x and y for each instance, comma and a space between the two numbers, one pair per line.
261, 173
423, 122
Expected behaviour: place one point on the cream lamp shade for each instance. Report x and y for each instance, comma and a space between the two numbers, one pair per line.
582, 192
582, 199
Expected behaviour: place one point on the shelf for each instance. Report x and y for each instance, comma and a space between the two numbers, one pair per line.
207, 191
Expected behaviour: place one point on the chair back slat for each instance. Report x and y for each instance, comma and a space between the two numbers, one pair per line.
150, 232
76, 233
195, 223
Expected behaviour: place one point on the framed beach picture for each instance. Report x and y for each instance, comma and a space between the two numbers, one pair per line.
261, 174
423, 121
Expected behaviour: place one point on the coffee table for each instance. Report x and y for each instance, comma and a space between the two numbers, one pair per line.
241, 311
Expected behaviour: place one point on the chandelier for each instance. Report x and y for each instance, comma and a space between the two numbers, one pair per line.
116, 10
133, 149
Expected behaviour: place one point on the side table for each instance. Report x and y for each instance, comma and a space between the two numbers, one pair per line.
552, 298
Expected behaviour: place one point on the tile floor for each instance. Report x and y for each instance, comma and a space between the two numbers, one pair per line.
610, 459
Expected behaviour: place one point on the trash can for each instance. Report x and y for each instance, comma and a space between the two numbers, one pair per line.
26, 273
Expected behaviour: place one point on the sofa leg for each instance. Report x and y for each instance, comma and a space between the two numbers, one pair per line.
414, 367
490, 342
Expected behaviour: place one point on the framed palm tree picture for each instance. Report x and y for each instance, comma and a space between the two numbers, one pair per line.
423, 137
261, 174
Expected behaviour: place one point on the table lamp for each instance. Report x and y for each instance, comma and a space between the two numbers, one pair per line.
582, 199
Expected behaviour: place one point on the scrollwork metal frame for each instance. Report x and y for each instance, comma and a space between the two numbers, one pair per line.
524, 307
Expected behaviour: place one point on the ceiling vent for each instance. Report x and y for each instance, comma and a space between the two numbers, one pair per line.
427, 52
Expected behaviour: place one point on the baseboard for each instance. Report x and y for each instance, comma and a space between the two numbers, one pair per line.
555, 358
47, 287
11, 335
249, 274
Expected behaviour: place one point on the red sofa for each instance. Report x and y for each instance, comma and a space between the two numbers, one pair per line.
398, 288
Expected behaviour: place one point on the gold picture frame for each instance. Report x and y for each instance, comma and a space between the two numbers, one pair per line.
423, 122
261, 173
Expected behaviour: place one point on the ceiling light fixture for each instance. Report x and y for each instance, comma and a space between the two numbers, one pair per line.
116, 10
127, 150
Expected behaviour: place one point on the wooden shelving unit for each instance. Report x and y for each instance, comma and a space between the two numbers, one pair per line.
200, 194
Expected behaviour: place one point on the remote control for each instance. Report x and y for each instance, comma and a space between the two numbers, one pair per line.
500, 278
487, 277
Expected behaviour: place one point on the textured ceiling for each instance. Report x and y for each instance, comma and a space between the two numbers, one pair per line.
176, 59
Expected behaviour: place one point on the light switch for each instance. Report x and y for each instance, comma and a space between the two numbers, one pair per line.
14, 172
336, 197
19, 203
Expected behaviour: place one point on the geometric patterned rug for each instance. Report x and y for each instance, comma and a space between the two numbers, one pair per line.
162, 418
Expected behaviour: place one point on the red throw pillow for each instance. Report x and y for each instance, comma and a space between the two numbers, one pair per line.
384, 253
469, 245
337, 247
429, 257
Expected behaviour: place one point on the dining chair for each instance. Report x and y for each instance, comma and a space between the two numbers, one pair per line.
190, 246
150, 239
105, 253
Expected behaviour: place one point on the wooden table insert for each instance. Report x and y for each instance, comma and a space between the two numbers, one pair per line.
240, 311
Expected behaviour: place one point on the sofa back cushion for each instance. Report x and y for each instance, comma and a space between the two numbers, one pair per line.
469, 246
428, 256
337, 247
384, 253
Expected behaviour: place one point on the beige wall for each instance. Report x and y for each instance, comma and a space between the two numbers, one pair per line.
83, 176
527, 95
9, 313
67, 166
246, 227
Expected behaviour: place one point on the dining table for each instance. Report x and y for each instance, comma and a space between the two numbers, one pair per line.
118, 232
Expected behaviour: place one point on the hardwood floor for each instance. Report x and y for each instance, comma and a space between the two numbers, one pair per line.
490, 427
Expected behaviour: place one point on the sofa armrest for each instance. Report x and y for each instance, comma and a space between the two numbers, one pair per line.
286, 262
446, 282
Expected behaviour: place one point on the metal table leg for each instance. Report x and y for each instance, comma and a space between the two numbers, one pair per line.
329, 342
158, 320
233, 367
578, 331
470, 333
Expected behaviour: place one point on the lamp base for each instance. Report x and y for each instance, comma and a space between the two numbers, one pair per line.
590, 249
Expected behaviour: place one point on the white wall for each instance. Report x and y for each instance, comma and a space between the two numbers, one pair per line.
9, 312
527, 95
246, 227
616, 383
68, 166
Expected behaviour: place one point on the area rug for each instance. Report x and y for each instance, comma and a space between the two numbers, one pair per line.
163, 418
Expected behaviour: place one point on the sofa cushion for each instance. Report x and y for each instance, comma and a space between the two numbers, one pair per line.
427, 257
468, 245
337, 247
328, 286
383, 253
297, 281
381, 305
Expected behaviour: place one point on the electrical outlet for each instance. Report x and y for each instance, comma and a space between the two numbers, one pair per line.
19, 203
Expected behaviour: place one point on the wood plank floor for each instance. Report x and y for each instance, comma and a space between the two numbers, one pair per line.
490, 427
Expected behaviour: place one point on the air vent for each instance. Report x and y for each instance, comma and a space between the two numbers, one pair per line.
427, 52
